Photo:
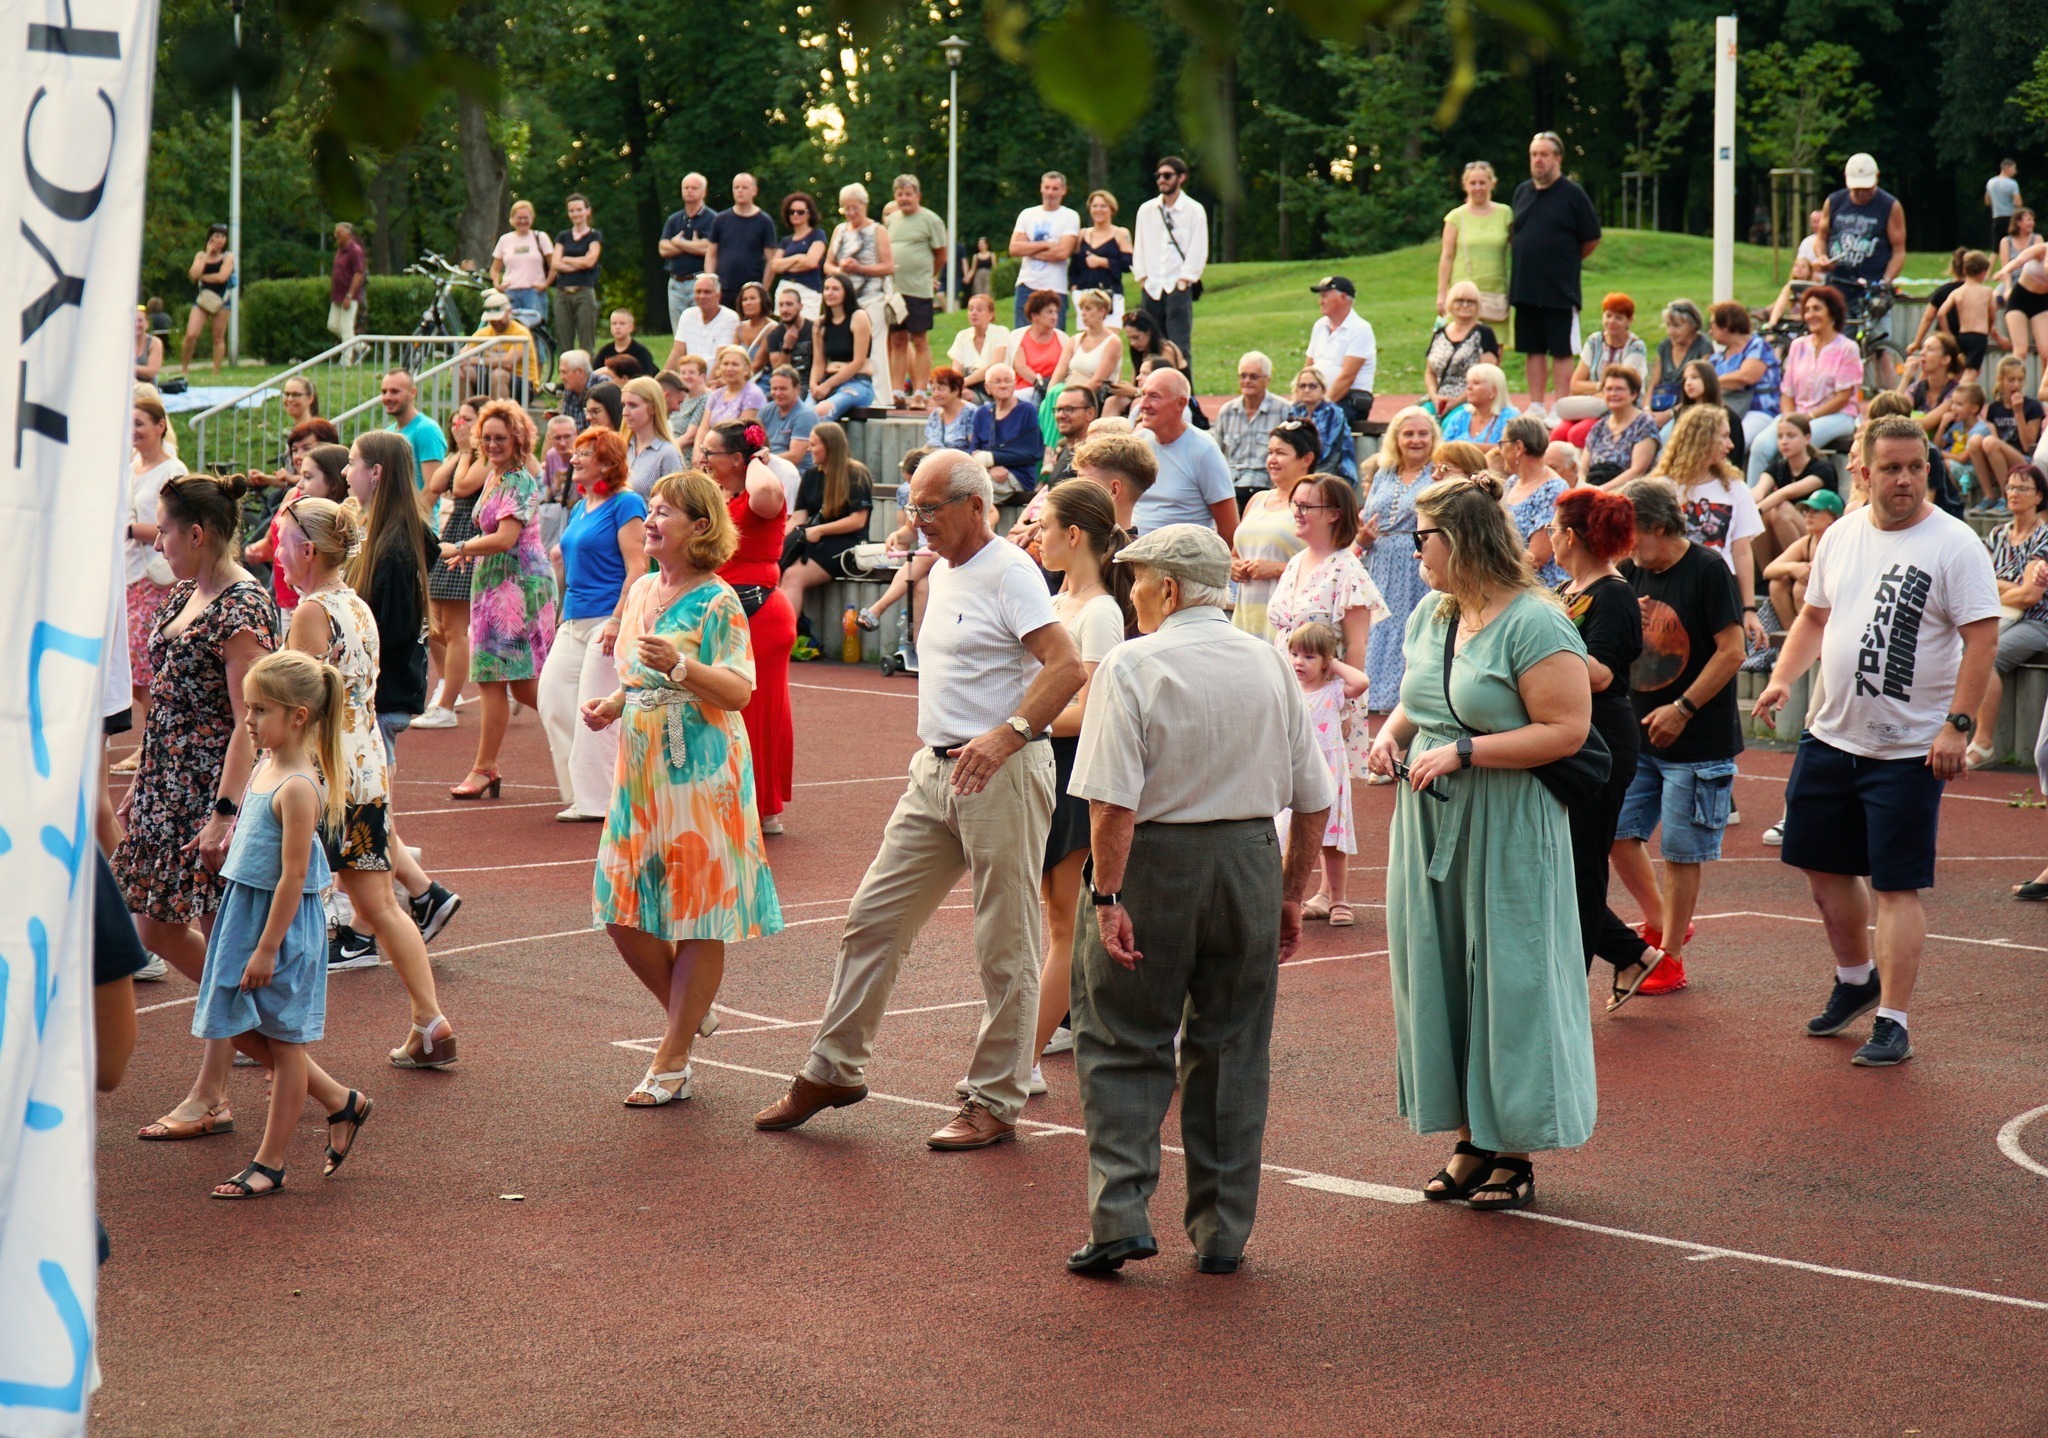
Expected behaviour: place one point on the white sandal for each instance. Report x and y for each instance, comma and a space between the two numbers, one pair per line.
651, 1086
431, 1055
1976, 756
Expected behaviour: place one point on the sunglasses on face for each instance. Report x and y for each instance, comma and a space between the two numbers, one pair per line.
1421, 534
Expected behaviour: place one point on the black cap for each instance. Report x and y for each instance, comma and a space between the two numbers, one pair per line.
1335, 282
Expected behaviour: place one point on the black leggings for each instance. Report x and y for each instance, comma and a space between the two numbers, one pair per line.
1600, 929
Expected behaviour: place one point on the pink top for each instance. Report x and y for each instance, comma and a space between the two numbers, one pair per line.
1811, 378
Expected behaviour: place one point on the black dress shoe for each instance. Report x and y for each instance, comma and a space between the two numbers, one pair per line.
1216, 1263
1105, 1257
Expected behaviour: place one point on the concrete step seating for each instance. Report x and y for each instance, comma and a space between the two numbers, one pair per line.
2019, 712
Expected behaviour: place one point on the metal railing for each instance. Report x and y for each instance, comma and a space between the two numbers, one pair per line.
247, 432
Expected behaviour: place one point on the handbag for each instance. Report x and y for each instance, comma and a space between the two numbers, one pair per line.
1574, 780
895, 308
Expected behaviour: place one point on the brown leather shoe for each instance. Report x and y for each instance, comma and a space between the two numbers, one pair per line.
973, 1127
805, 1098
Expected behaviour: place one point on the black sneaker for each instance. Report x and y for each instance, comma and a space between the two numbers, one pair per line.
433, 909
1846, 1004
350, 950
1888, 1045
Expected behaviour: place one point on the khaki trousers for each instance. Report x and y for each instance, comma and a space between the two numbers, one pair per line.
997, 837
1204, 901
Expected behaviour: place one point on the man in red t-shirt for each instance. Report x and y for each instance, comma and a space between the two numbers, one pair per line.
345, 293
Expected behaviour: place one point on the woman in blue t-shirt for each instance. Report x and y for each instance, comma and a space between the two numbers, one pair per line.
601, 556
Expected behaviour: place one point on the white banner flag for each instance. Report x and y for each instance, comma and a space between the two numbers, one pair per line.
75, 80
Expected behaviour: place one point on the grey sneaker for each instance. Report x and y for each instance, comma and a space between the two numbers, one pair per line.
1846, 1004
1061, 1042
153, 972
1888, 1045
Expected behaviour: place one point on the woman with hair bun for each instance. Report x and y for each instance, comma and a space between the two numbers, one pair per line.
1589, 530
216, 622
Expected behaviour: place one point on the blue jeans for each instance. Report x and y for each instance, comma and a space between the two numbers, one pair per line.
1826, 430
1691, 801
529, 306
1025, 292
856, 393
389, 726
679, 295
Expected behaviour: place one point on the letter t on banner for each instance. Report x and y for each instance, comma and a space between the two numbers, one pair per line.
75, 79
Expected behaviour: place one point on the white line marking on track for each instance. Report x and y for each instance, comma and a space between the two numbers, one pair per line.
1331, 959
1947, 794
829, 783
507, 868
523, 939
853, 689
478, 806
1353, 1188
2009, 1141
446, 783
1815, 919
168, 1004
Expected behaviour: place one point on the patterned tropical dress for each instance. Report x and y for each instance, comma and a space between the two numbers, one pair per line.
1326, 592
354, 651
681, 856
511, 595
1392, 563
184, 744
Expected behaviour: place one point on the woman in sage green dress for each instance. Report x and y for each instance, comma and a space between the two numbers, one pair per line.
1493, 1035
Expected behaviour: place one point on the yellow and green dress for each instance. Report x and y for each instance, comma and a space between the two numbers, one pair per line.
682, 856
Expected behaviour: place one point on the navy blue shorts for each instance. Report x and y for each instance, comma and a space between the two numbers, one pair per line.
1845, 814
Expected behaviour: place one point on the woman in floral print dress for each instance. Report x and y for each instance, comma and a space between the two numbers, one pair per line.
681, 869
512, 586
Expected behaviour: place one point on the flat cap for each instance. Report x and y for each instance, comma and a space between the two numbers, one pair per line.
1187, 551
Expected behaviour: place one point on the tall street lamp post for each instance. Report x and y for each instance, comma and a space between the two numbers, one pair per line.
955, 48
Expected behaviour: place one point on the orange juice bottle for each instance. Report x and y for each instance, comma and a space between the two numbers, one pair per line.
849, 649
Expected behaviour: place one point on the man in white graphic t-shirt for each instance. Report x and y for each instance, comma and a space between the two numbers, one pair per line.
1902, 612
1044, 239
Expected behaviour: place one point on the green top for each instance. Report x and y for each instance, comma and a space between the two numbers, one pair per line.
914, 237
1482, 255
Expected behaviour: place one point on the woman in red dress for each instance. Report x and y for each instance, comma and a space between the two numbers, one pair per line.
730, 453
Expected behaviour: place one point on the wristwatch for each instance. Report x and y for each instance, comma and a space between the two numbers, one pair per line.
1686, 707
1962, 723
1021, 725
226, 808
678, 669
1464, 747
1104, 901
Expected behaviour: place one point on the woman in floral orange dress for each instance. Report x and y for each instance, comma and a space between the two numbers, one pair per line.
681, 871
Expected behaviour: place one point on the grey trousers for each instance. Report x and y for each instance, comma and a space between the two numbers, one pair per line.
1204, 901
576, 318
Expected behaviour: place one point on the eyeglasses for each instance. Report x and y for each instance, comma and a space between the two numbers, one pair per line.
1300, 508
1421, 534
1434, 788
1249, 374
924, 512
1070, 409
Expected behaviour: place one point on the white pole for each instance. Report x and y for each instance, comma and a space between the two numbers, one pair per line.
235, 208
952, 186
1724, 158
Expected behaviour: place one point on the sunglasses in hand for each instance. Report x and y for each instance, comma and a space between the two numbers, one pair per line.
1434, 788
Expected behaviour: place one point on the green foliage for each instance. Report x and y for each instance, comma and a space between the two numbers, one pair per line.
1795, 102
285, 321
1663, 108
2031, 98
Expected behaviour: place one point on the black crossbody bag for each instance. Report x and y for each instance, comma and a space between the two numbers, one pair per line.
1575, 779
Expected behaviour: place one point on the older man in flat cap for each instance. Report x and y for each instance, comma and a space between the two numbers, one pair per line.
1196, 738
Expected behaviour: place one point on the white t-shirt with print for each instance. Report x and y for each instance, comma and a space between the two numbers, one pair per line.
1717, 514
973, 667
1896, 600
1038, 224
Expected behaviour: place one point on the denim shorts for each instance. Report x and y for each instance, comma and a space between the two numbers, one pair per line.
1691, 801
390, 726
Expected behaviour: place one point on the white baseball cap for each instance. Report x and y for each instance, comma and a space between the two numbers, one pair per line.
1861, 171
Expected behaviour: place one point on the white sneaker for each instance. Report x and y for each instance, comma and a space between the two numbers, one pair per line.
772, 825
153, 972
435, 718
1036, 1085
1775, 835
1061, 1042
1734, 817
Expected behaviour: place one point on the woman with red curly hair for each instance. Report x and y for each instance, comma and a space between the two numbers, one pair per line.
602, 554
1589, 530
511, 587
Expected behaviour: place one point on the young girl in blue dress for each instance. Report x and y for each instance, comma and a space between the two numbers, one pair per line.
265, 981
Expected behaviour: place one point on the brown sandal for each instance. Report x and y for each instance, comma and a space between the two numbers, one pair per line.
167, 1129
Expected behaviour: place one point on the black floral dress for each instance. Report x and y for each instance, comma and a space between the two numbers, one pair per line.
184, 745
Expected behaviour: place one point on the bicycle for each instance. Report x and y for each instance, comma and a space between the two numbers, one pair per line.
1868, 301
442, 318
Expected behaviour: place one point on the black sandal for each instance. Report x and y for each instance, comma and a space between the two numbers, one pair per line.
355, 1111
249, 1190
1452, 1188
1617, 995
1518, 1192
2033, 889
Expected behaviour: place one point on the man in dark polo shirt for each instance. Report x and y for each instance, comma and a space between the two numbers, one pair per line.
1553, 230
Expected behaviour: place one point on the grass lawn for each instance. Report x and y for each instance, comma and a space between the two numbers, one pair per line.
1266, 305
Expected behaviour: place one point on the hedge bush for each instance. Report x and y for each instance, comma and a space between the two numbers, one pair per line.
285, 321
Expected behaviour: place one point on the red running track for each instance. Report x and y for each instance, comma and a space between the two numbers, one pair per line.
1758, 1238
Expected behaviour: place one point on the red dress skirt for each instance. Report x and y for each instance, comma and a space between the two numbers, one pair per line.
771, 731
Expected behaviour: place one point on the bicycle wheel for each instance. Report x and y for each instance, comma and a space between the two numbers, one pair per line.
1883, 361
544, 353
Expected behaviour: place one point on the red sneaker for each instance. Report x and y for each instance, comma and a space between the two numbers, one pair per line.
1654, 936
1667, 978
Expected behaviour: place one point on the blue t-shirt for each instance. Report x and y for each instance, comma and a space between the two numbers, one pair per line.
591, 561
429, 445
785, 430
1192, 476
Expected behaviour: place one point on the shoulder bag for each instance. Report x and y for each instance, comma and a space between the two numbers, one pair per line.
1195, 289
1576, 779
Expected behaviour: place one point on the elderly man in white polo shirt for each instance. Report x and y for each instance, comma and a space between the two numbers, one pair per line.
1196, 739
996, 667
704, 325
1341, 345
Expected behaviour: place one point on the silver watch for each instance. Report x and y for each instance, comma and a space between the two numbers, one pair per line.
1021, 725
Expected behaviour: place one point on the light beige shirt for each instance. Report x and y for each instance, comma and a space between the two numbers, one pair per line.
1199, 722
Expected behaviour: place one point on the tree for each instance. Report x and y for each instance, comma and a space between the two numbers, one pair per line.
1660, 128
1794, 103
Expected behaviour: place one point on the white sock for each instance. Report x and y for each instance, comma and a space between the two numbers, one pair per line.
1897, 1016
1860, 974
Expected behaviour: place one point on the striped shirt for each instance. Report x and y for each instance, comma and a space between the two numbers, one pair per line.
2009, 560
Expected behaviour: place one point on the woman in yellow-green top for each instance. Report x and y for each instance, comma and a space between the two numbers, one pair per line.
1476, 246
1265, 538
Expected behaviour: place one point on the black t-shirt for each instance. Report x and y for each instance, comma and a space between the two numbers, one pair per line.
1817, 466
682, 225
640, 353
810, 494
2007, 421
795, 342
1550, 228
1611, 626
116, 951
396, 604
568, 244
1683, 608
742, 241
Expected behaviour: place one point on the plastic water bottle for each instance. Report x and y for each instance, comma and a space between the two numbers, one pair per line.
849, 648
